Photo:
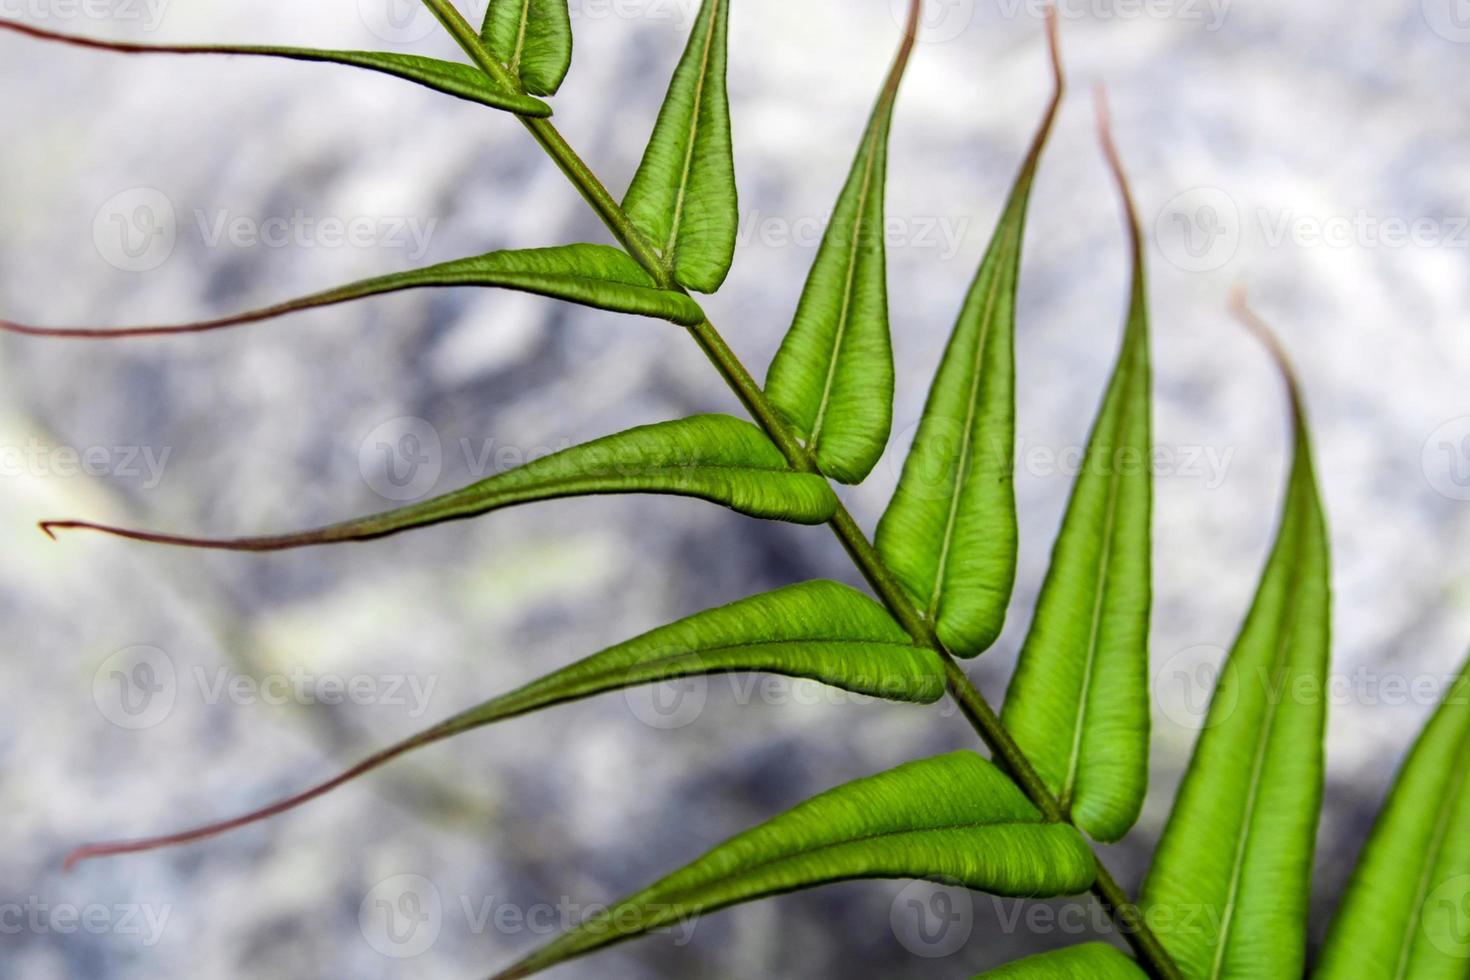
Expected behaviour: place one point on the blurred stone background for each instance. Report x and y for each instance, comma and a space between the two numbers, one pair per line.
1312, 151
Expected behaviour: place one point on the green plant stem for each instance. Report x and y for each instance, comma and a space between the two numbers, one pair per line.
977, 710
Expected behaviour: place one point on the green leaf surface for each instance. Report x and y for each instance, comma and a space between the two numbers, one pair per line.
1078, 703
683, 196
714, 457
821, 631
1232, 875
833, 375
954, 818
1089, 961
533, 39
950, 531
1406, 912
452, 78
599, 276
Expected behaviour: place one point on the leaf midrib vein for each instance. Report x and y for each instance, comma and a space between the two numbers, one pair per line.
683, 187
941, 572
1104, 581
839, 337
1431, 859
1258, 764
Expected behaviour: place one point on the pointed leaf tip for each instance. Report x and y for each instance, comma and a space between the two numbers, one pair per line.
683, 197
949, 533
1078, 703
833, 375
712, 457
451, 78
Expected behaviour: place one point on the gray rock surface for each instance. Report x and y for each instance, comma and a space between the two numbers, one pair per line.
1286, 146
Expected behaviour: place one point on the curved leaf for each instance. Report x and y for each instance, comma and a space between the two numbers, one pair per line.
462, 81
683, 196
822, 631
950, 531
533, 38
833, 375
1079, 701
1092, 961
1404, 912
953, 817
713, 457
1233, 870
599, 276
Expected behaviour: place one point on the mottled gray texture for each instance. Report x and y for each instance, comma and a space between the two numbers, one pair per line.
1304, 109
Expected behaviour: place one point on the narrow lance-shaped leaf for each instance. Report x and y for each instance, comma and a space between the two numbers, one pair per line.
683, 196
714, 457
833, 376
1405, 912
950, 531
462, 81
821, 631
1233, 871
1093, 961
1079, 701
599, 276
533, 39
953, 817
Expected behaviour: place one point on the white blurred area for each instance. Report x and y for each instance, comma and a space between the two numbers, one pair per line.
1313, 152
